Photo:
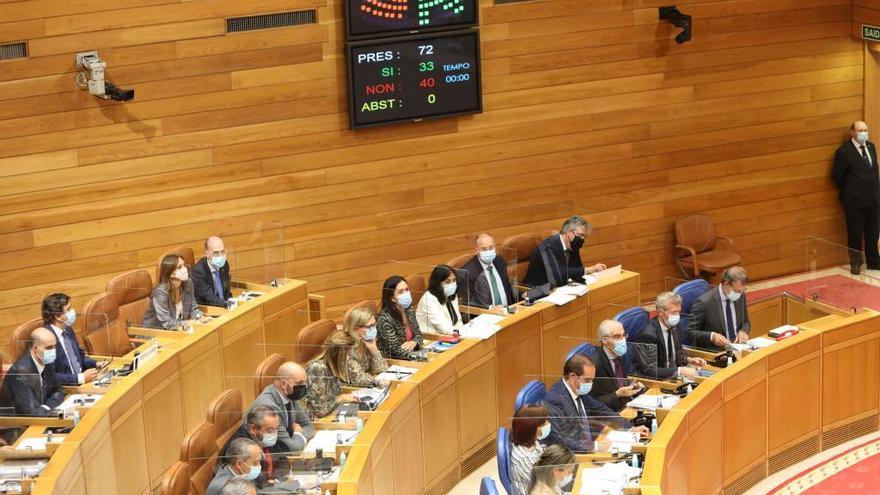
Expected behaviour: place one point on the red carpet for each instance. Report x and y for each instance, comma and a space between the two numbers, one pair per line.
836, 290
856, 470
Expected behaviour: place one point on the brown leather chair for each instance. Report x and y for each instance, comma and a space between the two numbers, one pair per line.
199, 451
176, 480
696, 247
311, 338
371, 305
133, 290
267, 370
225, 413
417, 286
459, 261
520, 247
21, 335
184, 252
104, 332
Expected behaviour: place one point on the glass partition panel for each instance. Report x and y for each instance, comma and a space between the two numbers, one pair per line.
257, 256
828, 280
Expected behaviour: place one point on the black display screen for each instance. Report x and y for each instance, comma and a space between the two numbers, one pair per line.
387, 17
413, 78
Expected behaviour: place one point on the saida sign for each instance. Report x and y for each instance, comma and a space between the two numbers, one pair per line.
870, 33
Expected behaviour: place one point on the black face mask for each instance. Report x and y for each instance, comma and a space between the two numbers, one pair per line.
577, 243
298, 392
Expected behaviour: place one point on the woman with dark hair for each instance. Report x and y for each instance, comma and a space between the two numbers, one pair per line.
553, 471
173, 300
399, 334
438, 309
529, 426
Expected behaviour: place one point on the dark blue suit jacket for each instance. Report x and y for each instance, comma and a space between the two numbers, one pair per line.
572, 430
63, 372
22, 391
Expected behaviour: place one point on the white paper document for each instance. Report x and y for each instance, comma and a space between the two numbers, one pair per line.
37, 443
558, 298
654, 402
761, 342
576, 290
15, 469
622, 440
396, 373
610, 478
609, 272
482, 327
326, 440
74, 401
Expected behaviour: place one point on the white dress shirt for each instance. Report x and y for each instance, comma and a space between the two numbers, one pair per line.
502, 295
724, 300
80, 377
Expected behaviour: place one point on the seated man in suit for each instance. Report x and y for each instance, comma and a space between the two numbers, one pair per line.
238, 486
283, 395
261, 425
612, 387
487, 284
576, 419
30, 386
721, 316
211, 274
72, 367
242, 461
558, 258
657, 349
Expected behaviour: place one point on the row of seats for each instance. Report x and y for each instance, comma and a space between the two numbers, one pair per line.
199, 451
633, 320
104, 320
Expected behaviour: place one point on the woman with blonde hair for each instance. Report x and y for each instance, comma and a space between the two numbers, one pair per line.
349, 357
553, 472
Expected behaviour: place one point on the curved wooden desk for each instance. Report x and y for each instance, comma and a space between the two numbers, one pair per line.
126, 442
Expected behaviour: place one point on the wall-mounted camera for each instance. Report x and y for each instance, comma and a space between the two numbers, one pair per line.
92, 78
679, 20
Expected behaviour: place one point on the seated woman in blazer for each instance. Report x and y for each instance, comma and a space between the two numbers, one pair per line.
438, 309
399, 334
362, 359
323, 387
173, 300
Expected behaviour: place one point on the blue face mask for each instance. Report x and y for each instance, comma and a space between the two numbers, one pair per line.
218, 261
371, 334
487, 257
405, 299
862, 137
585, 388
48, 356
71, 317
253, 472
449, 289
620, 347
544, 432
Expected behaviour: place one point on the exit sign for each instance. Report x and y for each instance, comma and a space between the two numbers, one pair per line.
870, 32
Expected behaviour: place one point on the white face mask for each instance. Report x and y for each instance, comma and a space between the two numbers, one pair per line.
487, 257
673, 320
734, 295
560, 484
862, 137
181, 274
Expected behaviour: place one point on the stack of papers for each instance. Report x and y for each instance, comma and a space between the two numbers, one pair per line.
576, 290
482, 327
610, 478
654, 402
558, 298
396, 373
20, 469
754, 344
622, 440
37, 443
74, 401
326, 440
594, 277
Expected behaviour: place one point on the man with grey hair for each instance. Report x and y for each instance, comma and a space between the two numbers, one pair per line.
261, 425
720, 317
242, 461
657, 347
613, 364
238, 486
211, 274
855, 173
557, 259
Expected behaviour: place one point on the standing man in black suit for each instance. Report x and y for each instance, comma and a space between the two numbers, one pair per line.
657, 348
558, 258
721, 316
487, 283
855, 173
211, 274
30, 386
72, 366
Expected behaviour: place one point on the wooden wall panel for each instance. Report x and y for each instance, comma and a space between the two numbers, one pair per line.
590, 107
